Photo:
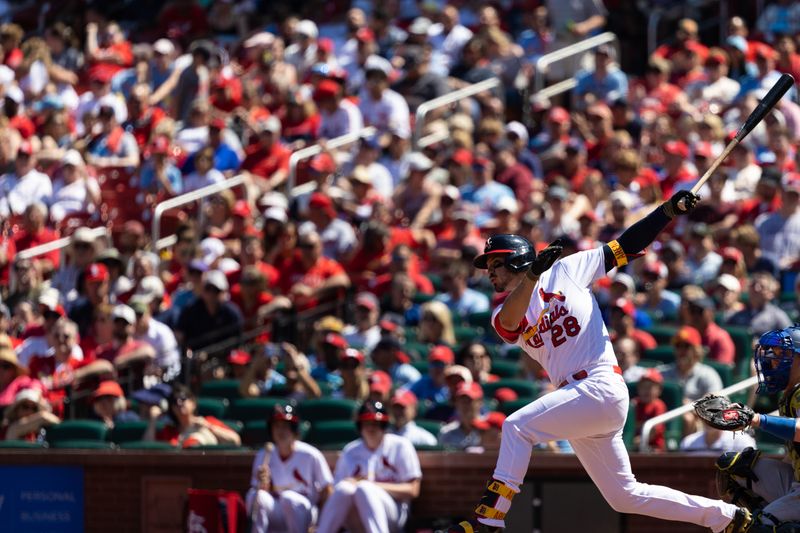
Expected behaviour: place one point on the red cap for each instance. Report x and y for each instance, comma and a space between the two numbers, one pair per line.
731, 253
404, 398
160, 145
494, 420
653, 375
334, 339
26, 148
352, 353
442, 354
239, 357
326, 89
471, 390
677, 148
764, 50
688, 334
626, 306
323, 163
481, 161
657, 268
101, 73
717, 56
325, 44
368, 300
559, 115
647, 177
324, 202
703, 149
108, 388
217, 123
365, 35
505, 394
591, 215
380, 382
462, 157
242, 209
96, 272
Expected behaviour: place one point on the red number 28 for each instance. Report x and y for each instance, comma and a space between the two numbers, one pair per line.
570, 327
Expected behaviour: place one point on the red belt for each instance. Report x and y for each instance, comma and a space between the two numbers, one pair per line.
583, 374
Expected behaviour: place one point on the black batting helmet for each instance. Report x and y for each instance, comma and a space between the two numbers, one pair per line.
519, 252
287, 413
371, 411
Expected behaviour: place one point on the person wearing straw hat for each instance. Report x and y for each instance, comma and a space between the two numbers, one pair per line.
27, 416
13, 376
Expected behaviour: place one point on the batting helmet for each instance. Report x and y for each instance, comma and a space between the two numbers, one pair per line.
371, 411
519, 252
287, 413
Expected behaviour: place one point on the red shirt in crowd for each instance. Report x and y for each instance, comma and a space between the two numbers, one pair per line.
646, 411
666, 51
295, 272
172, 435
8, 248
25, 240
719, 343
264, 163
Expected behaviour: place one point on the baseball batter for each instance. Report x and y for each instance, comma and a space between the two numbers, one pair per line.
376, 477
550, 313
287, 486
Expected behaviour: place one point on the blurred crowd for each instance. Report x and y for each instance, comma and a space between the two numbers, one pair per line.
348, 275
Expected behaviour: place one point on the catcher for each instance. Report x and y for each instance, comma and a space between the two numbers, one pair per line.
768, 487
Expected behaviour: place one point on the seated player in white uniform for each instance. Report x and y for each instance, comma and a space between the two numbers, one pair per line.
770, 488
551, 313
376, 477
290, 479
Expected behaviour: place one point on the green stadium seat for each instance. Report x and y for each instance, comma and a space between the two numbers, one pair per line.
73, 444
327, 409
629, 430
220, 388
422, 366
513, 354
236, 425
505, 369
147, 445
77, 430
436, 281
524, 388
770, 443
665, 354
332, 435
325, 388
432, 426
127, 432
429, 447
417, 350
215, 407
510, 407
662, 334
743, 341
466, 334
725, 371
255, 433
246, 409
20, 444
421, 298
480, 320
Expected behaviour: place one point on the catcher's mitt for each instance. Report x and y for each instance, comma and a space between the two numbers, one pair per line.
721, 413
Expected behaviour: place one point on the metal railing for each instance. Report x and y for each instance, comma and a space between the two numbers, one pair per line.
310, 151
649, 425
57, 244
541, 65
183, 199
446, 99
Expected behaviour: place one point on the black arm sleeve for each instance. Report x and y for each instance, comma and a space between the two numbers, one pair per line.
639, 236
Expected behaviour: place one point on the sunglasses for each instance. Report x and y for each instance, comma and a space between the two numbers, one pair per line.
306, 245
7, 366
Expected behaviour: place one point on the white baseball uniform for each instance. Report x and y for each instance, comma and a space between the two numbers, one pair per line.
296, 485
563, 330
394, 461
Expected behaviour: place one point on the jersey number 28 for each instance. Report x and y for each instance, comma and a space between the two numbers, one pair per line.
560, 332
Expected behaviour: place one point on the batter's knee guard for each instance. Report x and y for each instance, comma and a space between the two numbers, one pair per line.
731, 465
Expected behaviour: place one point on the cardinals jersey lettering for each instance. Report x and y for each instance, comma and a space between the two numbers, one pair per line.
394, 461
563, 328
790, 407
305, 471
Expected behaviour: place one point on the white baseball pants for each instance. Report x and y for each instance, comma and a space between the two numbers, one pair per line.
378, 512
289, 511
591, 413
777, 486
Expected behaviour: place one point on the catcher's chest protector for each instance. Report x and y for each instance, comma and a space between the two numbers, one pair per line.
790, 407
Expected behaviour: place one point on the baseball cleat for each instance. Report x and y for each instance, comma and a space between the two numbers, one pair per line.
473, 526
741, 523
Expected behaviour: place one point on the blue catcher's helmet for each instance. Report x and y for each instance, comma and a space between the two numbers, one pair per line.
774, 355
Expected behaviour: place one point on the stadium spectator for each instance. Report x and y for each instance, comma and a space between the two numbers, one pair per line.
297, 370
186, 429
24, 185
433, 386
27, 417
460, 299
648, 404
74, 191
95, 291
380, 386
260, 377
460, 434
476, 358
204, 173
709, 439
658, 303
779, 232
780, 18
702, 261
696, 379
365, 333
13, 375
404, 411
109, 405
389, 357
159, 336
211, 320
698, 313
355, 385
338, 116
622, 314
436, 324
628, 355
727, 293
759, 311
417, 195
267, 160
34, 233
309, 277
112, 146
380, 106
746, 239
338, 237
447, 37
606, 82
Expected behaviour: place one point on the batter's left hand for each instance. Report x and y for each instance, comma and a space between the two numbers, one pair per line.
547, 257
681, 203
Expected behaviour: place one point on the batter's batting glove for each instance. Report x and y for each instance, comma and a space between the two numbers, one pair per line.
546, 258
674, 207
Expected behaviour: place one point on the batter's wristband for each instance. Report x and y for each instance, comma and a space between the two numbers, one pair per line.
619, 254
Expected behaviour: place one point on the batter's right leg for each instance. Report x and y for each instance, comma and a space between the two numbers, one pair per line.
606, 461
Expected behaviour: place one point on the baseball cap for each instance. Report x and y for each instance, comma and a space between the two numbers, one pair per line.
729, 282
108, 388
470, 390
334, 339
559, 115
308, 28
518, 129
239, 357
323, 163
276, 213
72, 157
462, 157
329, 323
557, 192
163, 47
380, 382
83, 235
325, 44
326, 89
703, 302
404, 398
150, 287
678, 148
216, 279
241, 209
217, 123
599, 109
125, 313
647, 177
441, 354
493, 419
368, 300
420, 26
657, 268
154, 395
376, 63
271, 124
419, 162
351, 353
689, 335
738, 42
505, 394
625, 305
458, 371
624, 279
507, 203
653, 375
96, 272
703, 149
729, 253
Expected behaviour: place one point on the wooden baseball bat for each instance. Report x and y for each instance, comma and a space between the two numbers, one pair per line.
784, 83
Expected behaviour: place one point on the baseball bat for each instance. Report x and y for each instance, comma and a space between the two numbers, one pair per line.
777, 91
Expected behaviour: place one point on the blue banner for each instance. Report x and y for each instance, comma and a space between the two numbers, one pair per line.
39, 499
